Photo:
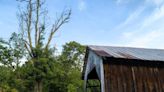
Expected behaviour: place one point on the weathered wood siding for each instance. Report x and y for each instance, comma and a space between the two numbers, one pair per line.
127, 78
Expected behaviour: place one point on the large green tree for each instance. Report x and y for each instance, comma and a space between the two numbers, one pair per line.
42, 71
62, 73
33, 26
71, 60
11, 52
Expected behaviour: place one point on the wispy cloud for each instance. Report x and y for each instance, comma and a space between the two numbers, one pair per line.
131, 19
156, 15
81, 5
145, 40
156, 2
118, 2
150, 28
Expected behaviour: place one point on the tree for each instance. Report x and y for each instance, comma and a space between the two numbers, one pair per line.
17, 48
11, 51
32, 20
71, 60
60, 73
63, 72
5, 55
33, 25
73, 54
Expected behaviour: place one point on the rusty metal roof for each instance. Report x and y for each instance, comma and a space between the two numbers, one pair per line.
129, 52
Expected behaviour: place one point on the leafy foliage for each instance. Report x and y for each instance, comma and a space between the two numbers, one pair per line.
11, 51
41, 71
60, 73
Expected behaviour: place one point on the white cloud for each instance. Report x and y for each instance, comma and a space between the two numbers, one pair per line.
118, 2
135, 17
131, 19
145, 40
156, 2
157, 14
81, 5
127, 34
150, 30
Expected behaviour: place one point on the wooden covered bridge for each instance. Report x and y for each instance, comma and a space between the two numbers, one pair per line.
124, 69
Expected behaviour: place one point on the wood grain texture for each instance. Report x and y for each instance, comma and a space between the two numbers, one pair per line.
126, 78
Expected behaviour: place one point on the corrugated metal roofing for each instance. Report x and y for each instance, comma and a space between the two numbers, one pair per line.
129, 52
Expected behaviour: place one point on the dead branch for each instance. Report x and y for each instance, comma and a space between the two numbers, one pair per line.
64, 18
29, 23
37, 21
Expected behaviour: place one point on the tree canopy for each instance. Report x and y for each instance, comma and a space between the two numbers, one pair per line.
28, 62
61, 73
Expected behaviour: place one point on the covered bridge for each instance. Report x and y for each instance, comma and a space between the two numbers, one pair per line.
124, 69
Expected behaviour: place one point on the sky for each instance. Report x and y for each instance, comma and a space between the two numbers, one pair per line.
132, 23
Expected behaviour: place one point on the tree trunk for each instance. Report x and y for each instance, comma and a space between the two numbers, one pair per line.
0, 89
38, 86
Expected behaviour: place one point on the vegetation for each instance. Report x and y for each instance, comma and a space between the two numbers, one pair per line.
60, 73
41, 70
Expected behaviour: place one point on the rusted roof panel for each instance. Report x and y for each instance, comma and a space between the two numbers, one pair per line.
129, 52
102, 53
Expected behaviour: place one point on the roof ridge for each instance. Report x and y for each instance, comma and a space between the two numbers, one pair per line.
125, 47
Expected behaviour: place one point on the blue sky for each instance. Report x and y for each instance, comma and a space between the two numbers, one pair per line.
134, 23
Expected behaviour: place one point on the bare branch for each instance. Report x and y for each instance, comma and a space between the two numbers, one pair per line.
26, 42
28, 50
29, 23
37, 21
64, 18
